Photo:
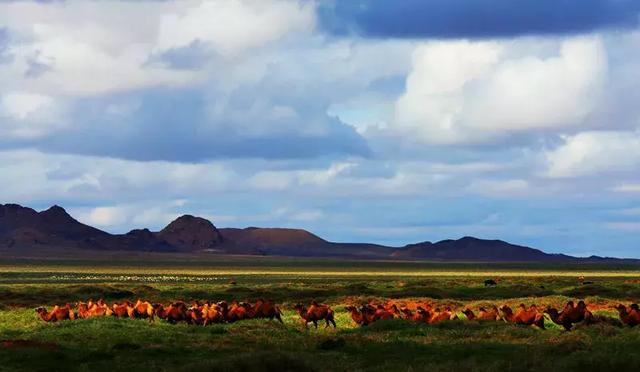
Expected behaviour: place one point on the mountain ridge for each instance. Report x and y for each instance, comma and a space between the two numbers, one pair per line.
26, 230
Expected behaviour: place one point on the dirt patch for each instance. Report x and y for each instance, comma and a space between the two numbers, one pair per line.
21, 344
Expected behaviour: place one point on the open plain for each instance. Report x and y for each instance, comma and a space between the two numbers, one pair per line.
109, 343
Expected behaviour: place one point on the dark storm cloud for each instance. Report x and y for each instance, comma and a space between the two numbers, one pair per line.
475, 18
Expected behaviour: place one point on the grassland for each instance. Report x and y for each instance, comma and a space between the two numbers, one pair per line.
119, 344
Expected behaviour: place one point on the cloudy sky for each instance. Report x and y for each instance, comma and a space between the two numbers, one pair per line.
380, 121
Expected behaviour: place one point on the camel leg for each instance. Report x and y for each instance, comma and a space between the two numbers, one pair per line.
315, 324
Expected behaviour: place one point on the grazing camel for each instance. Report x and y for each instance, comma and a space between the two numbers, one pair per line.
375, 313
356, 315
469, 314
483, 314
420, 316
234, 311
570, 315
265, 309
143, 310
56, 314
175, 312
211, 313
123, 309
93, 309
629, 317
393, 309
523, 316
83, 310
194, 315
314, 313
438, 316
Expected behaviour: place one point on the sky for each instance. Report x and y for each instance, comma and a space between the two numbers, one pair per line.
378, 121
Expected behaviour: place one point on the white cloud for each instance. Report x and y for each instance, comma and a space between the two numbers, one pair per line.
104, 216
627, 187
460, 91
28, 115
271, 180
232, 26
589, 153
321, 177
499, 188
88, 47
38, 176
22, 105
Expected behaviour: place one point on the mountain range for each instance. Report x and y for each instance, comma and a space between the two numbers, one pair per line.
27, 231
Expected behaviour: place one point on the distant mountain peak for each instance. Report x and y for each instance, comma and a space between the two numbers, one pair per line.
28, 231
56, 211
191, 233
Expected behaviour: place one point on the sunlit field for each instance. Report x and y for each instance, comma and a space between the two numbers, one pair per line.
262, 345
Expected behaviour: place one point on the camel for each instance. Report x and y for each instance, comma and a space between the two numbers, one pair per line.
211, 314
393, 309
314, 313
372, 314
176, 312
142, 309
420, 316
382, 313
93, 309
570, 315
483, 314
265, 309
235, 311
194, 314
56, 314
438, 316
100, 308
83, 310
491, 314
123, 309
523, 316
629, 317
356, 315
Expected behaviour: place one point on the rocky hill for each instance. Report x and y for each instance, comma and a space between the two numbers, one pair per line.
25, 230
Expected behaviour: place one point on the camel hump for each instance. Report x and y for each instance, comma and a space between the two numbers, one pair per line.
314, 303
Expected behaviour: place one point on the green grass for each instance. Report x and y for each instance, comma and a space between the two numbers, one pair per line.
259, 345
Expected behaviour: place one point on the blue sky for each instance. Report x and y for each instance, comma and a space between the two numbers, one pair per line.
382, 121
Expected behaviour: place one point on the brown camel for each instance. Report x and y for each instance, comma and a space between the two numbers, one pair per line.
314, 313
122, 309
143, 310
356, 315
571, 314
631, 316
175, 312
523, 316
441, 315
211, 313
56, 314
266, 309
419, 316
483, 314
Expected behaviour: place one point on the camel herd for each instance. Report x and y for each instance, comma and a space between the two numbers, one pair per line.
207, 312
198, 313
